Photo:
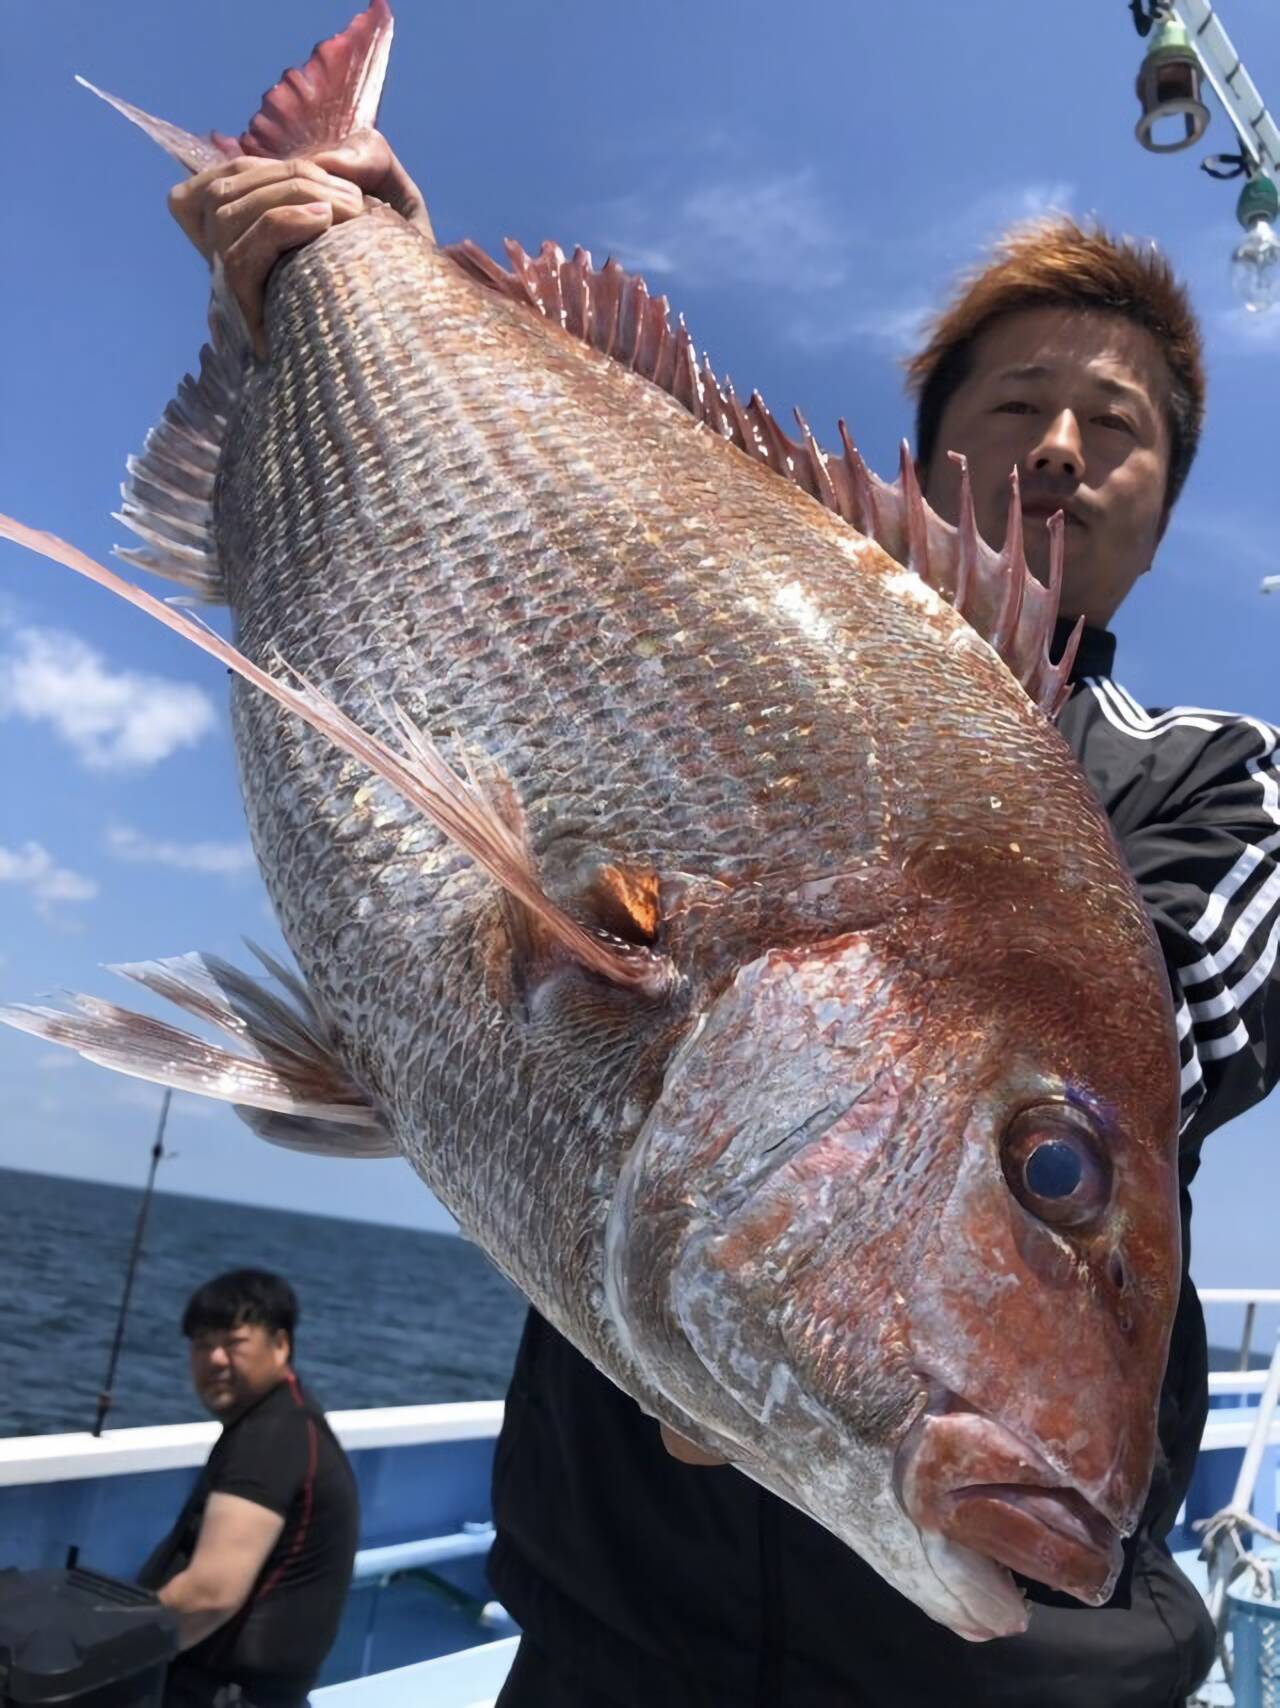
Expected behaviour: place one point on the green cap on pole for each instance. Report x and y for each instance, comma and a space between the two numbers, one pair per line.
1258, 200
1170, 37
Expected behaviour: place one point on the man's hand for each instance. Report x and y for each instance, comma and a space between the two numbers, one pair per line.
248, 212
685, 1451
365, 158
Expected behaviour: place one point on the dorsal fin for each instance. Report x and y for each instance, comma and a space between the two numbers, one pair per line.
994, 590
313, 106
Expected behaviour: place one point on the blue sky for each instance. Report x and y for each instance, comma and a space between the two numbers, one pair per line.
803, 185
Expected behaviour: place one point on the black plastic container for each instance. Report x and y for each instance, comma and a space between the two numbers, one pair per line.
78, 1638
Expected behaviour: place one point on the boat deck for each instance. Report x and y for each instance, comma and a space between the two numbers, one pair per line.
420, 1624
471, 1679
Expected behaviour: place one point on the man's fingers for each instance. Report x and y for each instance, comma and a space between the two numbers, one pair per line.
248, 212
188, 200
229, 220
366, 159
194, 203
249, 260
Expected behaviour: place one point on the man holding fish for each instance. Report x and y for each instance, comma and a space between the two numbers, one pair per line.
642, 1577
758, 980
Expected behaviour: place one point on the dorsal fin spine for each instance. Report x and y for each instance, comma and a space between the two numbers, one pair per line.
994, 591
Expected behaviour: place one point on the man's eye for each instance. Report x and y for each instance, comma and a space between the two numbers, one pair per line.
1013, 406
1116, 421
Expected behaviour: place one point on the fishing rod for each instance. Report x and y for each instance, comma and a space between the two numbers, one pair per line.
106, 1396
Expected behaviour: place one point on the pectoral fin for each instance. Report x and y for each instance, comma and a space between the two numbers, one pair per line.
418, 773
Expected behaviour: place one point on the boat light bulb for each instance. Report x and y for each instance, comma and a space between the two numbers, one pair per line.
1255, 261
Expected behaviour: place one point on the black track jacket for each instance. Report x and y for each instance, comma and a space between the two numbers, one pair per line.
659, 1585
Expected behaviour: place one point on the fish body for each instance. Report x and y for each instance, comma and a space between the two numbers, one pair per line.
800, 1194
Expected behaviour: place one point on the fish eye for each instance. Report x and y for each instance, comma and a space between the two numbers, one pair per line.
1054, 1167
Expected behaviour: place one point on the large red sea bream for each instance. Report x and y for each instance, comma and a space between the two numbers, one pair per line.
685, 875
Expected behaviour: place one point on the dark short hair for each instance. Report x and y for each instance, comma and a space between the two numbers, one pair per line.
242, 1296
1056, 263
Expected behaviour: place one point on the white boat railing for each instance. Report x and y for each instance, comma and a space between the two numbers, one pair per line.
1237, 1381
1250, 1298
180, 1446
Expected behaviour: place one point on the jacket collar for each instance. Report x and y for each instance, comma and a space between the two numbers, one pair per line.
1097, 649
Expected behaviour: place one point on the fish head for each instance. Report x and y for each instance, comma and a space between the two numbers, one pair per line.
905, 1236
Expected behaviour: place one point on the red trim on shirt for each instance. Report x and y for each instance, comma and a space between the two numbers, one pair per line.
308, 1494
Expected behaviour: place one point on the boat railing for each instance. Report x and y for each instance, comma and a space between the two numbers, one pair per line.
182, 1446
376, 1569
1250, 1298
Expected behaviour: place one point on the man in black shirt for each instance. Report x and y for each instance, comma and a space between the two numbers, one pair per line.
257, 1565
640, 1580
644, 1582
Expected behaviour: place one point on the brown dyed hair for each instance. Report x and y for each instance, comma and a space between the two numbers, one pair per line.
1056, 263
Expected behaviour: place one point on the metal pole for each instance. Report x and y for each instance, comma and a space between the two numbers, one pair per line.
1246, 1342
1245, 109
1242, 1499
1227, 1523
107, 1395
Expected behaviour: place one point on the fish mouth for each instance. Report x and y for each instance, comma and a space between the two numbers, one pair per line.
965, 1476
1049, 1534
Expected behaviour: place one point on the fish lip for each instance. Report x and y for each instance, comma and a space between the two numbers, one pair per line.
1067, 1511
1028, 1516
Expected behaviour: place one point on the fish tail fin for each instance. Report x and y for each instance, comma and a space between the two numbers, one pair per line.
193, 152
286, 1081
313, 106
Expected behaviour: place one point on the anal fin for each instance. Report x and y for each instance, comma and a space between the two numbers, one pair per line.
287, 1082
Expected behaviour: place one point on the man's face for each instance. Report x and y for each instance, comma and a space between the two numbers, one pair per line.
1074, 400
233, 1367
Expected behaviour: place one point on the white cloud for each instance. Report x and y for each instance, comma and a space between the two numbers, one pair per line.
1236, 332
114, 720
897, 327
897, 317
134, 1093
779, 231
145, 1094
57, 1062
34, 868
786, 233
220, 859
979, 221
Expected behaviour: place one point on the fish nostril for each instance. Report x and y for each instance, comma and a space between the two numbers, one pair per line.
1116, 1271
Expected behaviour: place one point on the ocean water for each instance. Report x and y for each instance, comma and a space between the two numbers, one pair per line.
389, 1316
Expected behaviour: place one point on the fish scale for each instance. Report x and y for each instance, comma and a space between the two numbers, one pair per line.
609, 700
772, 928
